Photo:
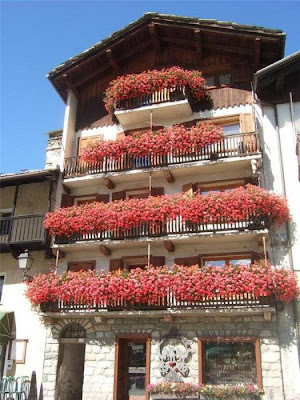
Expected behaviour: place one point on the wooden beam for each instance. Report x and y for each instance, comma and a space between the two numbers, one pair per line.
169, 176
104, 250
61, 254
109, 183
257, 53
169, 246
66, 189
155, 41
198, 45
113, 62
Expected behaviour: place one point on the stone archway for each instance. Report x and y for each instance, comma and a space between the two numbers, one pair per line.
70, 366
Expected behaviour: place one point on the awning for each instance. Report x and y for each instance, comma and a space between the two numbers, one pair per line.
6, 323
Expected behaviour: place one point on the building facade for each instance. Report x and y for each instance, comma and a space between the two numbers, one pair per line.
114, 349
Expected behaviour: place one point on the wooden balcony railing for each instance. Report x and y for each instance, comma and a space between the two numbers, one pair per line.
176, 93
22, 229
172, 227
169, 302
239, 145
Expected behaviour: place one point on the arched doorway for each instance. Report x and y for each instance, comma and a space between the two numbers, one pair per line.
70, 367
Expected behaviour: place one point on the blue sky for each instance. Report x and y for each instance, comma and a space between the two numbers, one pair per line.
38, 35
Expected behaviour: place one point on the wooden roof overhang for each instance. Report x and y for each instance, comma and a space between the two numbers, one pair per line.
254, 45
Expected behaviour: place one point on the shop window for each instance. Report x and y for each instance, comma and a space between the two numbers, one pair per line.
230, 259
81, 265
230, 361
2, 278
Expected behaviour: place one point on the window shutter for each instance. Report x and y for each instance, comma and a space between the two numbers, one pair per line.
81, 266
247, 123
67, 200
157, 191
102, 198
158, 261
87, 141
118, 195
188, 188
187, 261
115, 264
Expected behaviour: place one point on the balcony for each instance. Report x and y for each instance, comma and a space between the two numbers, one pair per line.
160, 106
170, 228
170, 302
232, 146
25, 230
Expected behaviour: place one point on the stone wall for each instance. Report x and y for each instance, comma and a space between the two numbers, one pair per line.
53, 150
100, 348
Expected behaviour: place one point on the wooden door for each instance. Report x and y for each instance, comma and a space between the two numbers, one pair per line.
132, 367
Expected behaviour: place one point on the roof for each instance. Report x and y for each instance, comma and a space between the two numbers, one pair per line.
27, 176
153, 16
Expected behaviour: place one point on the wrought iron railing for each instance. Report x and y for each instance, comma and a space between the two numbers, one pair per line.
172, 227
23, 228
239, 145
164, 303
166, 95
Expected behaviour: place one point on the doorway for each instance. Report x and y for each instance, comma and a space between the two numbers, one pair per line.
132, 367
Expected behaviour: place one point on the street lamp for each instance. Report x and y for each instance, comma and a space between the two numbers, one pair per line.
25, 261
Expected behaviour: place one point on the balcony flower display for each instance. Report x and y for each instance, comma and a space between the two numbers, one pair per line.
158, 285
230, 392
161, 142
231, 206
147, 82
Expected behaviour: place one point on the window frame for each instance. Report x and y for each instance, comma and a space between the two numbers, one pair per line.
220, 185
228, 339
227, 257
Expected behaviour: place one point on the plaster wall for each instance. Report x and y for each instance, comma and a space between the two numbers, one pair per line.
100, 349
7, 197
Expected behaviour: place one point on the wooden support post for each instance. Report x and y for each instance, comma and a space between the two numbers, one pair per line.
113, 62
169, 246
169, 176
104, 250
198, 45
109, 183
257, 53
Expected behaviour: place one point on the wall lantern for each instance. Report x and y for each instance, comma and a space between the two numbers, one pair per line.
25, 262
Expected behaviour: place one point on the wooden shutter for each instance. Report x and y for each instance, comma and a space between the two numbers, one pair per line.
158, 261
188, 188
187, 261
247, 123
87, 141
118, 195
102, 198
81, 265
157, 191
67, 200
115, 264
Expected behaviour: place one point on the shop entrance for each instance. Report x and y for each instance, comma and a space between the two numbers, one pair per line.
132, 367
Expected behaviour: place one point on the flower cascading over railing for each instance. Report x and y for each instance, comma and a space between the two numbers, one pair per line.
228, 392
130, 86
155, 285
231, 206
161, 142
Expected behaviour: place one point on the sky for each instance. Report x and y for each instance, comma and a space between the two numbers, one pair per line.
37, 35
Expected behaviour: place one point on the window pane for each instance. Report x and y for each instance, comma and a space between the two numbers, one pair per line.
214, 263
230, 363
245, 261
210, 81
231, 129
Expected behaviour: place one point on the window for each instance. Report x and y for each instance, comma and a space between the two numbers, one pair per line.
137, 194
218, 80
81, 265
230, 259
231, 129
5, 222
229, 361
219, 186
2, 278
